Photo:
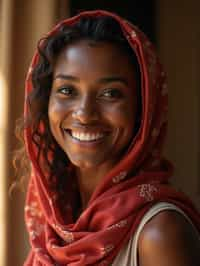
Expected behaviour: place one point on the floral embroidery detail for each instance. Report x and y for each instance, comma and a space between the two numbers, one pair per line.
119, 177
39, 227
36, 228
108, 248
133, 34
34, 234
121, 224
34, 223
37, 250
58, 227
67, 235
147, 191
33, 209
30, 222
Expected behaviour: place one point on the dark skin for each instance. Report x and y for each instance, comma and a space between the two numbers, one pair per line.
94, 92
169, 239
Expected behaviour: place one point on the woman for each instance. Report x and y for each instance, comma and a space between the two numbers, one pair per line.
95, 123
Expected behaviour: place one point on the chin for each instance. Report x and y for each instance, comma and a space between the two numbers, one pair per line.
88, 163
84, 164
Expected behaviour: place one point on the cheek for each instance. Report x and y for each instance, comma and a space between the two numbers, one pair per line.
127, 120
53, 112
121, 116
56, 114
56, 110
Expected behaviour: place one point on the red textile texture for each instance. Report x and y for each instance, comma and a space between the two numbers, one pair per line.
139, 180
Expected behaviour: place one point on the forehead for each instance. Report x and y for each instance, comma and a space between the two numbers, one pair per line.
94, 57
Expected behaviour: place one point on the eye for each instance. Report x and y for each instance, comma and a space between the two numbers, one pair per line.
67, 90
112, 93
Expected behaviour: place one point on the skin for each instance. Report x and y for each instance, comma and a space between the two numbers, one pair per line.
169, 239
93, 91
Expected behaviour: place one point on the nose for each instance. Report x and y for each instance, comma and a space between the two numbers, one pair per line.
86, 111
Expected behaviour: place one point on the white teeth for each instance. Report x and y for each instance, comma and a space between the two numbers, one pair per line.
81, 136
86, 136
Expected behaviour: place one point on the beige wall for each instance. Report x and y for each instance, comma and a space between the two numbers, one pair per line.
5, 60
22, 23
30, 20
178, 28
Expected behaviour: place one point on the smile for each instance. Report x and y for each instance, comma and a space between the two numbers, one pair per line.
85, 136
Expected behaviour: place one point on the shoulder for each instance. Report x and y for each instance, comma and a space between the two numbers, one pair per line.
169, 239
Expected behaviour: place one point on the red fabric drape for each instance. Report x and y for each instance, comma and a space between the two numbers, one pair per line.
117, 205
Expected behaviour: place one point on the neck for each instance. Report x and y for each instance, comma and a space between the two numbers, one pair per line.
88, 180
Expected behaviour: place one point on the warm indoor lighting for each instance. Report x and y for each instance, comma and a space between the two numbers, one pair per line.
3, 118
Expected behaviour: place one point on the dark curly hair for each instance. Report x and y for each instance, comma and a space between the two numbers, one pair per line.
100, 29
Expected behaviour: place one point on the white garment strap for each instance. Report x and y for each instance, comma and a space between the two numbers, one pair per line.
128, 255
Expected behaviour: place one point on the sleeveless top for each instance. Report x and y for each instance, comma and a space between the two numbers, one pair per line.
128, 255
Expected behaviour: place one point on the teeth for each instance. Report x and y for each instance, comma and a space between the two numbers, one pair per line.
86, 136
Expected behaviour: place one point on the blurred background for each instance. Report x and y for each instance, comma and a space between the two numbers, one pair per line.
174, 28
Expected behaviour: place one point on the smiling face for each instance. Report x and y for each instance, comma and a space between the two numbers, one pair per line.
92, 103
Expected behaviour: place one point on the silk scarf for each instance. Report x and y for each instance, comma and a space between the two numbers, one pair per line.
139, 180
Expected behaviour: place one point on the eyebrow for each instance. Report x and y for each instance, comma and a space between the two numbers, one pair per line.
67, 77
101, 80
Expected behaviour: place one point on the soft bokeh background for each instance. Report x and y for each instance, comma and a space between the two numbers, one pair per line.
174, 28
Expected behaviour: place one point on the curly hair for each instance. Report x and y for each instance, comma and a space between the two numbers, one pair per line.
100, 29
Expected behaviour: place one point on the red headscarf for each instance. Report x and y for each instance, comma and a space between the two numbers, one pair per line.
117, 205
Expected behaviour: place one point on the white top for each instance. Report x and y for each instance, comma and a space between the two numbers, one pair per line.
128, 255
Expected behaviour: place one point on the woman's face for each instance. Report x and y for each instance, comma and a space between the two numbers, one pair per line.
92, 103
